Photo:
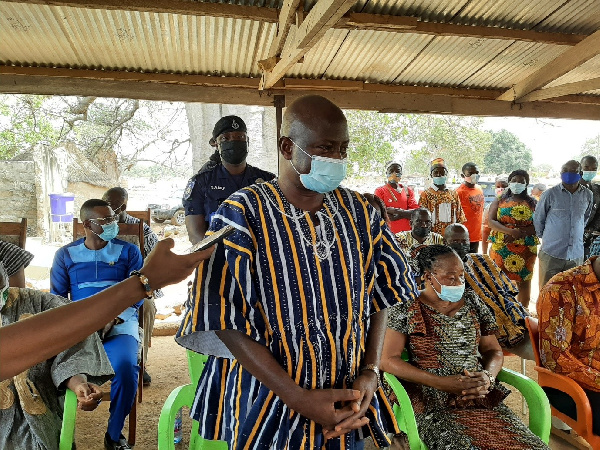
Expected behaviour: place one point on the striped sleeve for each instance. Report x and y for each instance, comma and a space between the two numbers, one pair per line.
224, 294
394, 281
13, 257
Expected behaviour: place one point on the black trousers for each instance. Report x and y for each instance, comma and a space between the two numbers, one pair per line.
566, 405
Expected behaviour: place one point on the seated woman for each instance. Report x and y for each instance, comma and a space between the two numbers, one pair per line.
30, 411
454, 360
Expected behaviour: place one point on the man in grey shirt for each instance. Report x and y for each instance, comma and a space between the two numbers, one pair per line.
559, 219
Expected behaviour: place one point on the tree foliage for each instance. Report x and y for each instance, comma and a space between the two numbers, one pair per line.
113, 133
372, 139
414, 140
590, 147
457, 139
507, 153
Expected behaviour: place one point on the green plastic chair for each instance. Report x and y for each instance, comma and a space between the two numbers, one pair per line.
178, 398
67, 431
539, 423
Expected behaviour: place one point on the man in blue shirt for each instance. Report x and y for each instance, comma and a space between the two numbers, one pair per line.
86, 267
225, 173
559, 220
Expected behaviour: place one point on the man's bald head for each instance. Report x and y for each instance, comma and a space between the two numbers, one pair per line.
309, 115
456, 232
117, 197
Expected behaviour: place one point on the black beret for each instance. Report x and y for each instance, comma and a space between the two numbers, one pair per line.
227, 124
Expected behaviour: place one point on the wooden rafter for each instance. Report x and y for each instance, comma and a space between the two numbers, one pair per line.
353, 21
348, 94
321, 18
405, 24
367, 100
562, 64
563, 89
287, 16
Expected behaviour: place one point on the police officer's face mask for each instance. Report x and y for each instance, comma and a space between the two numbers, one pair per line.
234, 152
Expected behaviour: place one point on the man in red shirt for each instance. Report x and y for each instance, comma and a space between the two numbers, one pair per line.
473, 202
399, 200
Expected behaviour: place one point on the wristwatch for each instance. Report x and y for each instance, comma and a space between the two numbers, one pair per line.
490, 376
144, 280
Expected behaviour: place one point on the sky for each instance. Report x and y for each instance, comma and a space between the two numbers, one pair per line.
552, 141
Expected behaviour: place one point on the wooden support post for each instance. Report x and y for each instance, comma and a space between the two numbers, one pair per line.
279, 103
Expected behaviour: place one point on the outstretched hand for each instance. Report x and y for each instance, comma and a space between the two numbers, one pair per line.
163, 267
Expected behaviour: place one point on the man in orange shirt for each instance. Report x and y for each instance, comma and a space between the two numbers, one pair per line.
473, 202
569, 322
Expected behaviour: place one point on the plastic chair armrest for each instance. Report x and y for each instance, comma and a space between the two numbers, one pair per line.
178, 398
547, 378
539, 422
405, 415
67, 431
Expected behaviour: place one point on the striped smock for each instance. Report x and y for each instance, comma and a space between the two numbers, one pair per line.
306, 292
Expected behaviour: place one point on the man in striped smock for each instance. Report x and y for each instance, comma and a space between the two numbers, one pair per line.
297, 297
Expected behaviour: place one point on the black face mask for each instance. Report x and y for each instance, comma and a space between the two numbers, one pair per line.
461, 249
234, 152
421, 232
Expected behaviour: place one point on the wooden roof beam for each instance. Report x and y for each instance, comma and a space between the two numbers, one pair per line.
285, 18
563, 89
184, 7
406, 24
562, 64
323, 15
367, 100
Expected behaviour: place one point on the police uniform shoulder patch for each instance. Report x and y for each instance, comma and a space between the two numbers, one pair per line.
187, 194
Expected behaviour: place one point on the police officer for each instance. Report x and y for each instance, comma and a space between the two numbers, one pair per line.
225, 173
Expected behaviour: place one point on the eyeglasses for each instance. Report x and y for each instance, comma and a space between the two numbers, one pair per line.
104, 220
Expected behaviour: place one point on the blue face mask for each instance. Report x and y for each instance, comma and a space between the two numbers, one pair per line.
450, 293
325, 174
439, 181
517, 188
109, 232
589, 175
570, 177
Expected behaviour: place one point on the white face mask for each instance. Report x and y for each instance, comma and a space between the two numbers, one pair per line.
473, 179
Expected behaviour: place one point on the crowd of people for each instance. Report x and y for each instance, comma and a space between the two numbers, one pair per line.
317, 291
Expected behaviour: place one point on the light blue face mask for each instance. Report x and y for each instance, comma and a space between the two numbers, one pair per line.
450, 293
439, 181
517, 188
109, 231
325, 174
589, 175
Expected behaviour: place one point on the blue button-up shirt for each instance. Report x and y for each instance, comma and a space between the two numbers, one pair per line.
80, 272
559, 220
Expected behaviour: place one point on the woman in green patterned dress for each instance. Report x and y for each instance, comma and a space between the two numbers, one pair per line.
454, 360
514, 243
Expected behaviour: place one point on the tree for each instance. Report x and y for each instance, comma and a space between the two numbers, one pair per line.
507, 153
541, 170
456, 139
115, 134
590, 147
374, 138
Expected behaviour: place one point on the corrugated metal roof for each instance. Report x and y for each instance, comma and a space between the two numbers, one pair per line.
155, 42
41, 35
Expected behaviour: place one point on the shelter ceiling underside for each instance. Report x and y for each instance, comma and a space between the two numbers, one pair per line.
407, 43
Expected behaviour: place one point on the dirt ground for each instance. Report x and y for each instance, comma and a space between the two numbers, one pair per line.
167, 365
